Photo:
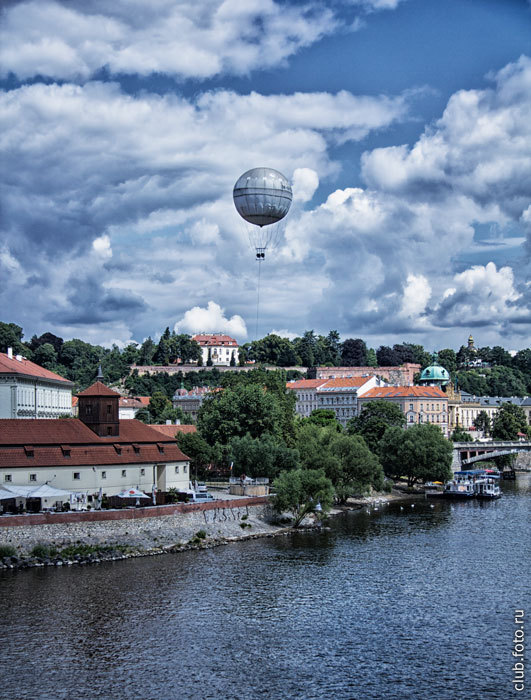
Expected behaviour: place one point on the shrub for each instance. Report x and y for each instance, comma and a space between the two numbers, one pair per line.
43, 551
6, 550
200, 534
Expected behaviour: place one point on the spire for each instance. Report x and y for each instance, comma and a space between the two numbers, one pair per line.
99, 378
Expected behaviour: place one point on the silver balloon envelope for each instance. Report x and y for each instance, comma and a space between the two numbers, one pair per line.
262, 196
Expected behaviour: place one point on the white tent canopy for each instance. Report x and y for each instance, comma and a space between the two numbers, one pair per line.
42, 491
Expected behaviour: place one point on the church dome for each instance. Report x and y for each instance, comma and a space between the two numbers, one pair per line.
435, 374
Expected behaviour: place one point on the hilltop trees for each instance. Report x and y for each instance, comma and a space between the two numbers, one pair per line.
508, 422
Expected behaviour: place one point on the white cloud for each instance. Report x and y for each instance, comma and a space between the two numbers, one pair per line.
187, 39
102, 246
417, 293
305, 182
284, 333
211, 320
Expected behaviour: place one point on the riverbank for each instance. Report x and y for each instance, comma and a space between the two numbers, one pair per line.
79, 541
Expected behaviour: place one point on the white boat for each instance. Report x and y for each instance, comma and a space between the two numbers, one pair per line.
474, 483
487, 487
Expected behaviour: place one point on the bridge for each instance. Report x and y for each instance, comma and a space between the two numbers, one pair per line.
466, 453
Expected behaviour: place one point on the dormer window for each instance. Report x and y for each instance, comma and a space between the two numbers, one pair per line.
161, 447
118, 448
65, 449
29, 450
136, 448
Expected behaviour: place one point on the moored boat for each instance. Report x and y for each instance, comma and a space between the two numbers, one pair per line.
473, 483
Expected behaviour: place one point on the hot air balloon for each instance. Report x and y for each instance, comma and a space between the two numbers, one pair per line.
262, 196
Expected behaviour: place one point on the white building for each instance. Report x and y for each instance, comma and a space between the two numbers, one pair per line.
30, 391
93, 452
218, 348
339, 395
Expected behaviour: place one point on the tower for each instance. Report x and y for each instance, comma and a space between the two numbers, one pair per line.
98, 409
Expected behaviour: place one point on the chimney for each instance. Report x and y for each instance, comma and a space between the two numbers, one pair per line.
10, 353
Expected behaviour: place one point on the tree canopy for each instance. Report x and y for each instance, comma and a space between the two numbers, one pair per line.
374, 420
508, 422
420, 453
302, 491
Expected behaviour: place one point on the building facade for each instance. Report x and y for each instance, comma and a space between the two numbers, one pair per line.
419, 404
339, 395
96, 451
220, 349
190, 401
30, 391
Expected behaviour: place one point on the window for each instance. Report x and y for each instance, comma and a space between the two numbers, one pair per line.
176, 470
109, 430
33, 477
142, 472
77, 476
185, 469
104, 475
124, 472
8, 477
411, 419
410, 406
109, 409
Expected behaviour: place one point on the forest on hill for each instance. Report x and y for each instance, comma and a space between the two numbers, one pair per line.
484, 371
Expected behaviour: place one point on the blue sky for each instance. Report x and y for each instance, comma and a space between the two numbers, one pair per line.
404, 126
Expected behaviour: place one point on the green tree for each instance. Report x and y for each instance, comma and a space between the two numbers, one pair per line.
354, 468
325, 417
305, 348
81, 361
460, 435
420, 453
11, 337
198, 450
238, 411
260, 457
372, 360
146, 352
46, 356
508, 422
354, 353
473, 382
482, 422
374, 419
448, 360
158, 404
504, 381
301, 492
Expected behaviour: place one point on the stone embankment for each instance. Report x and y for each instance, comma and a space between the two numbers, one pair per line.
112, 535
85, 538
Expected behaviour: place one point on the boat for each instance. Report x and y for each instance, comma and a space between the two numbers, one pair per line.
487, 487
473, 483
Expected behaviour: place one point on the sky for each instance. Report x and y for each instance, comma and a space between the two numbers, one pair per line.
404, 127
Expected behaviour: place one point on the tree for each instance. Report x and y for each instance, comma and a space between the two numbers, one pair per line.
374, 420
45, 356
473, 382
198, 450
164, 349
355, 468
372, 360
325, 417
53, 340
11, 337
420, 453
238, 411
260, 457
504, 381
482, 422
354, 353
508, 422
158, 404
448, 360
302, 491
387, 357
305, 348
147, 350
460, 435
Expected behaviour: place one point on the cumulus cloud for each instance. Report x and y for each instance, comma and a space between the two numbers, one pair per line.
481, 147
102, 246
209, 320
305, 182
480, 296
417, 293
73, 39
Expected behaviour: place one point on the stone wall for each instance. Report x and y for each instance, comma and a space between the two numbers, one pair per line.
227, 520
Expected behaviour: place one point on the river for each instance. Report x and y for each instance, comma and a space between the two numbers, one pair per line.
411, 602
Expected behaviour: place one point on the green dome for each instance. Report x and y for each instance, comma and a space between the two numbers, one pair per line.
435, 374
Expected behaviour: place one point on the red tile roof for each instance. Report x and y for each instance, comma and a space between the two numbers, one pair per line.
305, 383
129, 402
214, 339
137, 443
172, 430
98, 389
30, 369
393, 392
346, 382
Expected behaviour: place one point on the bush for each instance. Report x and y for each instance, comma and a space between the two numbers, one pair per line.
42, 551
200, 534
6, 550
